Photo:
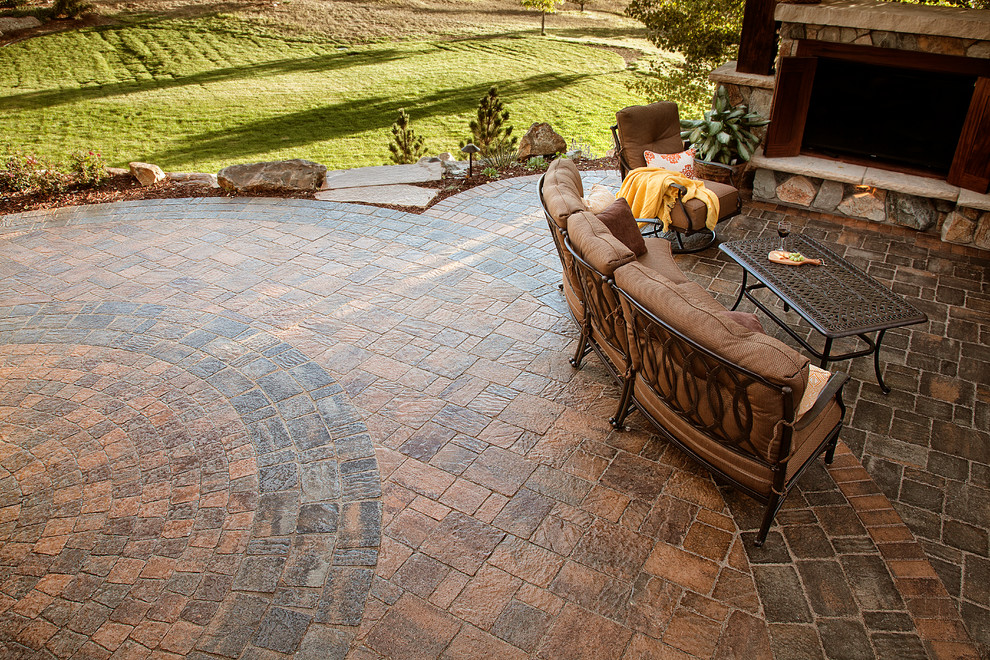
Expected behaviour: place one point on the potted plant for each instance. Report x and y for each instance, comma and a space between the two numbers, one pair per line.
723, 140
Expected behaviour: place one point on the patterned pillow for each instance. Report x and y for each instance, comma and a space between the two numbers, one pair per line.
598, 199
817, 379
682, 162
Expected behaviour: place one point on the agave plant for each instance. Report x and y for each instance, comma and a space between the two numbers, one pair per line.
724, 135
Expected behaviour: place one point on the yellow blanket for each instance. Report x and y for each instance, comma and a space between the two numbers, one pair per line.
648, 191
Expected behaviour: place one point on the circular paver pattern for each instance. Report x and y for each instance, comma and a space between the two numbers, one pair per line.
177, 481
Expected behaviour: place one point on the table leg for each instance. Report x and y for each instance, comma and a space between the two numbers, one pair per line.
876, 364
825, 353
742, 290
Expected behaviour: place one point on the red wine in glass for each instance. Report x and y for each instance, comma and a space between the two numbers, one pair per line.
783, 230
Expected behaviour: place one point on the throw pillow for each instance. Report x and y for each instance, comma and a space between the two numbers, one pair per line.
817, 379
746, 320
682, 162
619, 219
599, 197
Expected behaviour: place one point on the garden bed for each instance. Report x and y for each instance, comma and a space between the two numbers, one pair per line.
124, 187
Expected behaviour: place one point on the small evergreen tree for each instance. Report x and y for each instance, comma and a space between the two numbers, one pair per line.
406, 146
544, 7
69, 8
489, 131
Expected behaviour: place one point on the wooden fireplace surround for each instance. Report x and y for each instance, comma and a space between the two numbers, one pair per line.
795, 78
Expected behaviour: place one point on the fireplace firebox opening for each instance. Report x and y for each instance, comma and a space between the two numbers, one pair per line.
887, 115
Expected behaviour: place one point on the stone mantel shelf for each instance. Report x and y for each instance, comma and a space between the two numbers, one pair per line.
890, 16
824, 168
727, 73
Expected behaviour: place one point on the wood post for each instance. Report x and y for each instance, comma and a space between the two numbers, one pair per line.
758, 42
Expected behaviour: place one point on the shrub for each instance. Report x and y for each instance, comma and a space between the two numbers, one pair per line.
16, 173
88, 168
406, 146
490, 131
490, 172
70, 8
26, 173
502, 156
49, 181
536, 163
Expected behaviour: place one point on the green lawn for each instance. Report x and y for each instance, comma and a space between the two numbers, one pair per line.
199, 94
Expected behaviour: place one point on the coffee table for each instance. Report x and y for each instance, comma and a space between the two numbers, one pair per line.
837, 299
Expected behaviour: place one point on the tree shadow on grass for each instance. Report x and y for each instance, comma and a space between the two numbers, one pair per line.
297, 129
335, 61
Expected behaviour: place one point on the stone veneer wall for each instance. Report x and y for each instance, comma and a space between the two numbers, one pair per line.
954, 223
963, 221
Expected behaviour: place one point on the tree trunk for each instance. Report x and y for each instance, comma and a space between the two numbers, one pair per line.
543, 24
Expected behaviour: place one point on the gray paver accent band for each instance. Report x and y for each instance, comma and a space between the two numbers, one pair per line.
317, 475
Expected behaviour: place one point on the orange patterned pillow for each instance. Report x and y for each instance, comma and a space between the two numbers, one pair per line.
817, 380
682, 162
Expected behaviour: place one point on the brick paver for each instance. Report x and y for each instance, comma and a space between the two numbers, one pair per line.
266, 428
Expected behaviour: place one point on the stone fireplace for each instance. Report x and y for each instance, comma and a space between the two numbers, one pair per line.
879, 111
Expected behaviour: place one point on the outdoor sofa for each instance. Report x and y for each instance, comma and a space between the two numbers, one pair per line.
726, 394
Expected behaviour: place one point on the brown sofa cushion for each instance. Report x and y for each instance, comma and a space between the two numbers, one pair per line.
697, 212
596, 244
747, 320
659, 258
619, 219
655, 127
562, 191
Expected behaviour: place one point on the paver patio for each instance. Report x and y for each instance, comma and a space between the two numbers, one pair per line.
286, 428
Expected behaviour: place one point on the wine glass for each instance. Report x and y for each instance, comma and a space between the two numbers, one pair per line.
783, 230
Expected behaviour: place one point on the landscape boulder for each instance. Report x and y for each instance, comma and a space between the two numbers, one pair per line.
15, 23
297, 174
203, 179
147, 174
540, 140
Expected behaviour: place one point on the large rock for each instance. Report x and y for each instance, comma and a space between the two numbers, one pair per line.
296, 174
540, 140
797, 190
957, 228
867, 204
982, 235
829, 196
12, 24
147, 174
203, 179
764, 185
911, 211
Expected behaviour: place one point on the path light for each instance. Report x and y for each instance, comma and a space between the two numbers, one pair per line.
470, 149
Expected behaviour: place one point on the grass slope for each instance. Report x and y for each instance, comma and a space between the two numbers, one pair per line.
202, 93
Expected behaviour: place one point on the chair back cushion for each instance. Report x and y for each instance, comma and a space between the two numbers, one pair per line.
562, 191
596, 244
655, 127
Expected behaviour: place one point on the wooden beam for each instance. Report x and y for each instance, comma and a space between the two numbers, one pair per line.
758, 42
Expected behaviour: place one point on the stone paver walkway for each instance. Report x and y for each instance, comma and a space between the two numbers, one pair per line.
284, 428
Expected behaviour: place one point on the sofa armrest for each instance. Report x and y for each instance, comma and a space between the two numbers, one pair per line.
832, 387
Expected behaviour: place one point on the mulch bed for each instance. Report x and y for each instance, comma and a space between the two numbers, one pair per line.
124, 187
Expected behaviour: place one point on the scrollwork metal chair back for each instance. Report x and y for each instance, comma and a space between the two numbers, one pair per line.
712, 394
602, 308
